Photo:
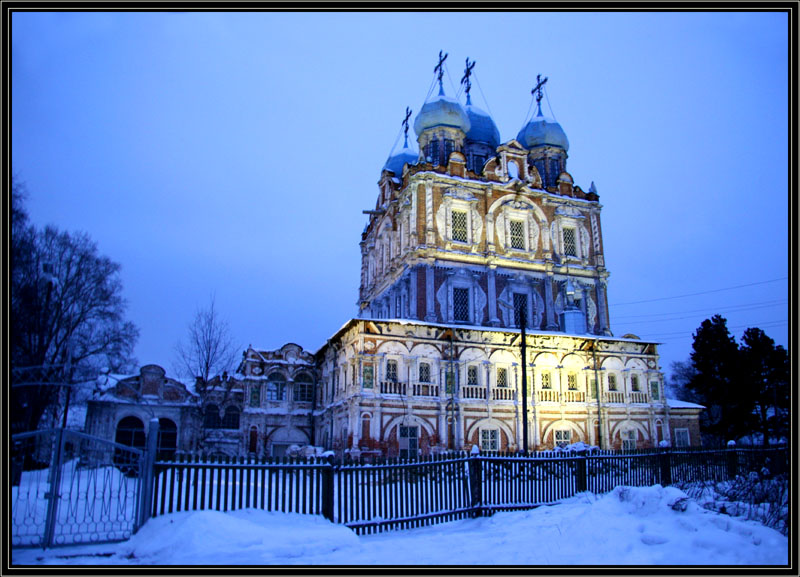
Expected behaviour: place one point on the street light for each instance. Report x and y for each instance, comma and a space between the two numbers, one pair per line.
523, 316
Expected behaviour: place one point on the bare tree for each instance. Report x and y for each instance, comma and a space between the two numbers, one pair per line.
67, 315
209, 349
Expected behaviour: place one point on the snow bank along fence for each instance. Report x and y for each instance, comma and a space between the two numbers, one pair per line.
407, 493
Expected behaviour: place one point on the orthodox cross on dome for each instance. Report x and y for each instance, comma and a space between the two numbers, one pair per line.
440, 69
405, 126
538, 90
465, 80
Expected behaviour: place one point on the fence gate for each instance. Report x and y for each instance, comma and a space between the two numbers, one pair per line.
70, 488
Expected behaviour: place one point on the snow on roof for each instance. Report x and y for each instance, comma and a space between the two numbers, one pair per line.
678, 404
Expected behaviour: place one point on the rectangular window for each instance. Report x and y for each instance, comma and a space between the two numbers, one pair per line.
459, 225
502, 378
654, 390
628, 440
681, 437
539, 164
408, 442
425, 372
450, 382
572, 382
517, 232
490, 440
570, 242
634, 383
449, 147
563, 438
472, 375
520, 308
255, 396
555, 170
276, 391
593, 388
391, 370
612, 382
477, 163
461, 304
368, 376
432, 152
304, 392
397, 312
546, 382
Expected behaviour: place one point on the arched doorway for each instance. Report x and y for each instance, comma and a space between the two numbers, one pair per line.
130, 432
253, 447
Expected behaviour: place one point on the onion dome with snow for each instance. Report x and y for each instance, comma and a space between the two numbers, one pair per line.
399, 159
541, 131
482, 127
443, 111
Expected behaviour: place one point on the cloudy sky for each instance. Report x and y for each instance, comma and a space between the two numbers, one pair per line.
233, 153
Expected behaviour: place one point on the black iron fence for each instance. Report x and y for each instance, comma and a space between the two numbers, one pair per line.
407, 493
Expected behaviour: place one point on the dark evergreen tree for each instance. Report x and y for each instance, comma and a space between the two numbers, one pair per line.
765, 370
716, 383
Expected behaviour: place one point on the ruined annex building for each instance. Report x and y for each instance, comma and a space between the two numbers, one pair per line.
471, 242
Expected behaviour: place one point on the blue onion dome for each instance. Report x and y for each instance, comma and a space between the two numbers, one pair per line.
541, 131
399, 159
482, 127
443, 111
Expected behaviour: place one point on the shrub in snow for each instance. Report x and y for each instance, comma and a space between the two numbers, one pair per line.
753, 496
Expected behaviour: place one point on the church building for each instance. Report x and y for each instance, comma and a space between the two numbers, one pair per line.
472, 243
483, 321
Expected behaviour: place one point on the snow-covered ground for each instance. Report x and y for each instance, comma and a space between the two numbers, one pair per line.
629, 526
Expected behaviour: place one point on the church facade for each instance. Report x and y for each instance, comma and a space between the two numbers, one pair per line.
483, 318
471, 242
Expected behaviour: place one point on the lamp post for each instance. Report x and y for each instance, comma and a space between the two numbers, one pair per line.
523, 316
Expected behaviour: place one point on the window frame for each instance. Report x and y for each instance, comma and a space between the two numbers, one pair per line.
457, 308
517, 241
573, 245
681, 431
489, 439
463, 226
629, 439
392, 370
424, 372
562, 442
501, 371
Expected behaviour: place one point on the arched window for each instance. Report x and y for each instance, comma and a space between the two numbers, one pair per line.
130, 431
303, 388
211, 417
276, 387
231, 418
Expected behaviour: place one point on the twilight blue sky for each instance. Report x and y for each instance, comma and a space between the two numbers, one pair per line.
233, 153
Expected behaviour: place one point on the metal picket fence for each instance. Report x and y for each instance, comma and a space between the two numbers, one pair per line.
407, 493
69, 488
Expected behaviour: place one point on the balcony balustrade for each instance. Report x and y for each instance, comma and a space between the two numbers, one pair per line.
473, 392
393, 388
547, 396
638, 397
503, 394
615, 397
575, 397
425, 390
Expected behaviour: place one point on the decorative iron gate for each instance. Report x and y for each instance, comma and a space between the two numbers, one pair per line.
70, 488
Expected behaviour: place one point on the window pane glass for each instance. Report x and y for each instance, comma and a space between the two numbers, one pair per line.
546, 383
520, 308
472, 375
517, 230
654, 389
570, 246
425, 372
368, 375
255, 395
459, 225
391, 370
461, 304
572, 382
502, 378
